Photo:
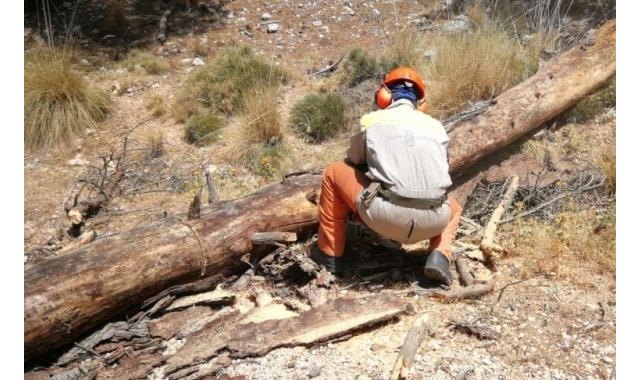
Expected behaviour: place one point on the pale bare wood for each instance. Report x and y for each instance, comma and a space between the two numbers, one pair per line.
273, 238
412, 342
209, 170
471, 291
488, 245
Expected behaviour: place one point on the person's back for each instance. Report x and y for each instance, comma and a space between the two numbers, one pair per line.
395, 177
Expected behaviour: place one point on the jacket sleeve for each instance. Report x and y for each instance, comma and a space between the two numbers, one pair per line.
356, 153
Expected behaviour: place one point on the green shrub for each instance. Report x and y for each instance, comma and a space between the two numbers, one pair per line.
220, 84
204, 128
360, 66
58, 103
318, 117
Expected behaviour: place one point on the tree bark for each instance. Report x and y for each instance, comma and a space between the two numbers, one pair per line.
67, 296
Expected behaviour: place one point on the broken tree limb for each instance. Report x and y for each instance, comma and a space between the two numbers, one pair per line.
211, 184
466, 278
561, 83
409, 348
67, 296
488, 245
471, 291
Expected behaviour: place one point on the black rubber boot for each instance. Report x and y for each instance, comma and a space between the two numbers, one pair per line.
437, 268
335, 265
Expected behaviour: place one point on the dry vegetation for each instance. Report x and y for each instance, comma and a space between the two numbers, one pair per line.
58, 103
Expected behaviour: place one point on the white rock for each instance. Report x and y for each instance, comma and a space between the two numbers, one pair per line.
272, 28
265, 16
316, 23
241, 20
460, 23
84, 62
90, 131
375, 12
197, 61
77, 161
324, 29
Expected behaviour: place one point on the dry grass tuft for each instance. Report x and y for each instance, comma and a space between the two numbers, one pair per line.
155, 144
535, 149
572, 238
156, 105
148, 62
58, 104
607, 165
204, 128
200, 49
405, 48
258, 141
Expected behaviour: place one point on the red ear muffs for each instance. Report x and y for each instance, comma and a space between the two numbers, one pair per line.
383, 96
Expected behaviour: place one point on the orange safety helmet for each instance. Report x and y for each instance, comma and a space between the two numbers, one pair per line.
403, 73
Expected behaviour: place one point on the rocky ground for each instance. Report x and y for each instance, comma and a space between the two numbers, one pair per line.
545, 327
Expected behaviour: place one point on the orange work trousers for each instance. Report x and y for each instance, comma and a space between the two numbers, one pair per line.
341, 187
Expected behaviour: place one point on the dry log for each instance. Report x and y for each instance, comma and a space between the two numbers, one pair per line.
409, 348
329, 321
102, 280
67, 296
518, 111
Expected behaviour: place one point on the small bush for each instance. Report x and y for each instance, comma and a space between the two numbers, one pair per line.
269, 160
318, 117
204, 128
155, 144
220, 84
58, 104
146, 61
156, 105
593, 105
360, 66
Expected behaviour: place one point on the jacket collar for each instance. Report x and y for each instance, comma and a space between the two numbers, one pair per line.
399, 102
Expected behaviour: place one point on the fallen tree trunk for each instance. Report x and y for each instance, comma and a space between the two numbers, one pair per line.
557, 86
67, 296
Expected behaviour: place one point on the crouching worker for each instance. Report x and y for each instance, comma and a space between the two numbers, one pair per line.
394, 179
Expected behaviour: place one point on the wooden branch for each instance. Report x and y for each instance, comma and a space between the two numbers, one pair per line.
211, 185
328, 69
487, 245
466, 278
162, 27
471, 291
409, 348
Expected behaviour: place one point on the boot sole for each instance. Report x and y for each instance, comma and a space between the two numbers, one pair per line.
436, 275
